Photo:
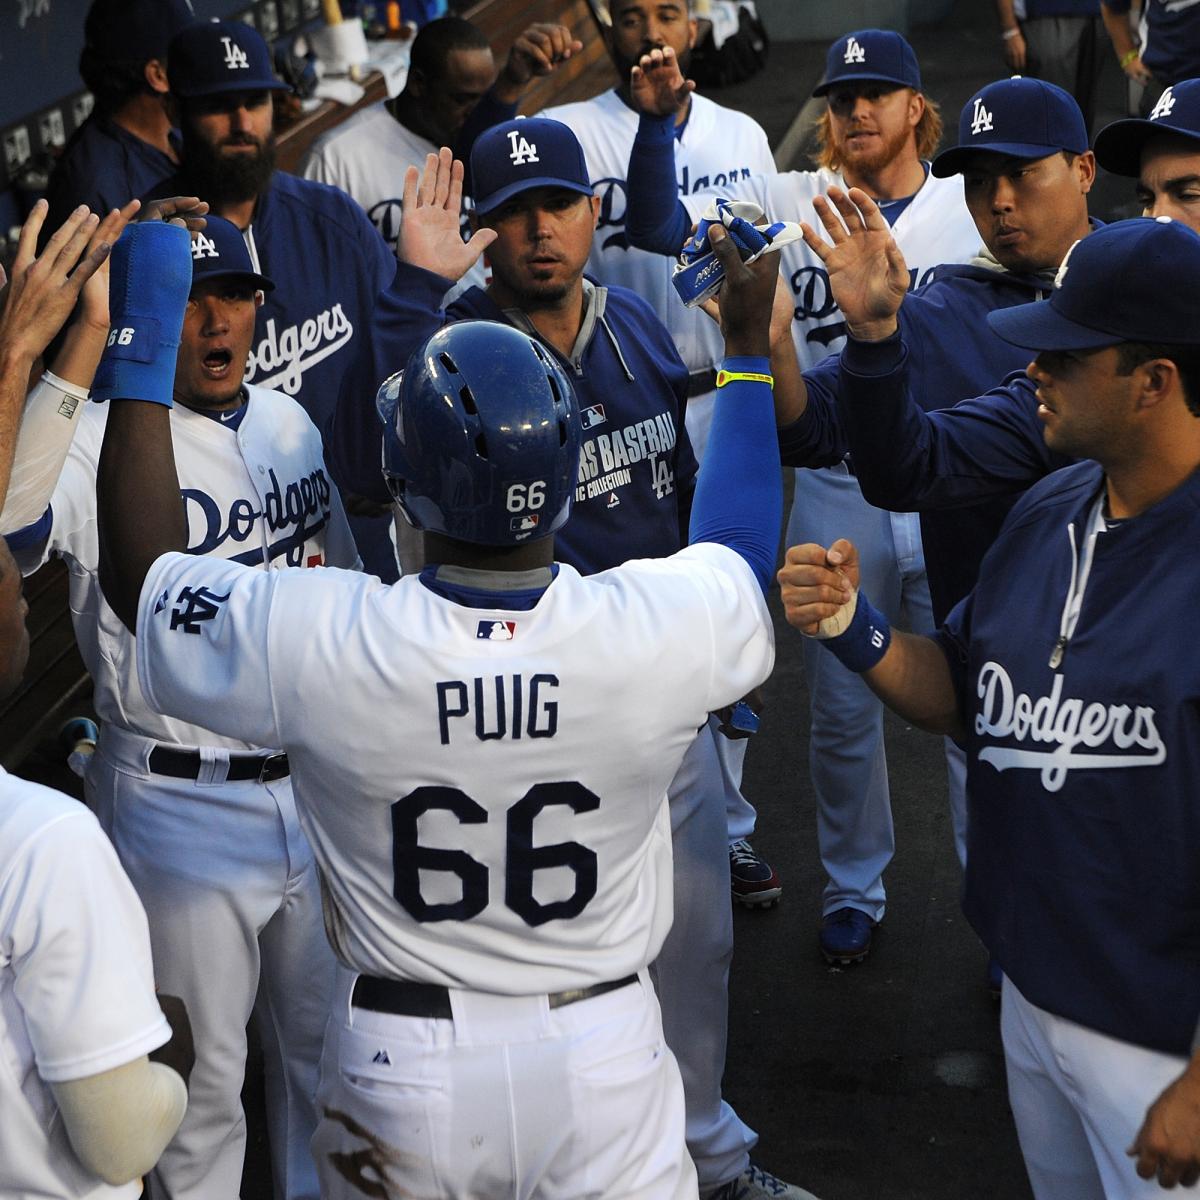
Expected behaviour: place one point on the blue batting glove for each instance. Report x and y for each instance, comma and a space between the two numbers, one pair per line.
150, 276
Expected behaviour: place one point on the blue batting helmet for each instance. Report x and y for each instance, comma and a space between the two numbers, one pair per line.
481, 436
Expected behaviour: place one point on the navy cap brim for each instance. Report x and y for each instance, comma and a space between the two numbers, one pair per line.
524, 185
234, 85
1119, 145
1040, 326
827, 85
951, 162
261, 282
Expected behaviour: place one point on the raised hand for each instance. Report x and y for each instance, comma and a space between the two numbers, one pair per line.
747, 296
93, 306
45, 288
431, 208
188, 211
816, 583
868, 277
657, 86
538, 51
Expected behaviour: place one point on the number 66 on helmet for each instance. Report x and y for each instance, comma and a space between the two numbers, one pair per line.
482, 436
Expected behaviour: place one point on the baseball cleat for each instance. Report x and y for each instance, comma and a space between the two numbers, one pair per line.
846, 936
752, 879
756, 1184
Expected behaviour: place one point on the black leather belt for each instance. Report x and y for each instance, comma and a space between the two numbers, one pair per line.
700, 383
404, 998
187, 764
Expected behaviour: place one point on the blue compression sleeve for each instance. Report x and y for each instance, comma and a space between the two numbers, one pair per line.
739, 492
654, 217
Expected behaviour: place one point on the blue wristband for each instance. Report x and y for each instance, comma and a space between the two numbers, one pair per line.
866, 639
150, 276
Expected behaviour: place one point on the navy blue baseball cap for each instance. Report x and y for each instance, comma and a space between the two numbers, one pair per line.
1017, 118
1119, 145
870, 54
525, 153
1132, 281
219, 251
212, 57
134, 30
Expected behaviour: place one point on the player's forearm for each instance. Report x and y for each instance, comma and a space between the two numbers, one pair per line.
913, 680
654, 218
739, 493
79, 355
140, 512
14, 379
1119, 32
791, 393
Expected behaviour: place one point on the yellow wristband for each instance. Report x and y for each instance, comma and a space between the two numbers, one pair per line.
724, 377
1127, 58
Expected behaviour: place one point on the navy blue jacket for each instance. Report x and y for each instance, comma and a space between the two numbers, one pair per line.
636, 469
952, 353
1083, 821
104, 167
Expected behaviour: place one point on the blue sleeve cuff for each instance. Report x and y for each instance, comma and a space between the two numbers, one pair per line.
872, 359
31, 535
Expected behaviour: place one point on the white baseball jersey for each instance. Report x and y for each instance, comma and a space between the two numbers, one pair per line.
935, 228
76, 983
486, 799
259, 495
366, 156
717, 147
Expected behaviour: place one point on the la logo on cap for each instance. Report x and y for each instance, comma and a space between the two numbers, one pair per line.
1166, 102
204, 247
522, 151
854, 52
981, 121
235, 56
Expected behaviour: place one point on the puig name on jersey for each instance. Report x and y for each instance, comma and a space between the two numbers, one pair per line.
282, 357
604, 458
1063, 725
299, 510
614, 200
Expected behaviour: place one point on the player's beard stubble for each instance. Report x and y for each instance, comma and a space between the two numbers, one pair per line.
227, 178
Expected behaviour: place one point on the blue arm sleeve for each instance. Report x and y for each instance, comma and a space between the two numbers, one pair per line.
405, 315
654, 217
909, 460
739, 493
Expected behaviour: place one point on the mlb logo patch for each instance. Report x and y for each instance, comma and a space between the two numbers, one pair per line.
526, 524
591, 417
496, 631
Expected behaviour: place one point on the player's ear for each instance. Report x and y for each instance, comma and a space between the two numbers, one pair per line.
155, 73
595, 212
916, 108
260, 298
693, 26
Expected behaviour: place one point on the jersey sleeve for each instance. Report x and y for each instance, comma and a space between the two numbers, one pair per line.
203, 645
80, 951
954, 639
911, 460
741, 642
816, 438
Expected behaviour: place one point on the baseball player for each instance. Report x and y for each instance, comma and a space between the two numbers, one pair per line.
85, 1110
878, 133
450, 72
1075, 688
326, 258
1027, 173
125, 146
536, 211
205, 822
499, 868
713, 144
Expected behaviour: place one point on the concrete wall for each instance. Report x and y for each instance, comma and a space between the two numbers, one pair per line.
823, 20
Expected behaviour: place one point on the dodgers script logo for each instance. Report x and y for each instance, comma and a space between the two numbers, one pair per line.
1129, 734
854, 52
981, 122
1166, 102
283, 356
235, 56
522, 151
